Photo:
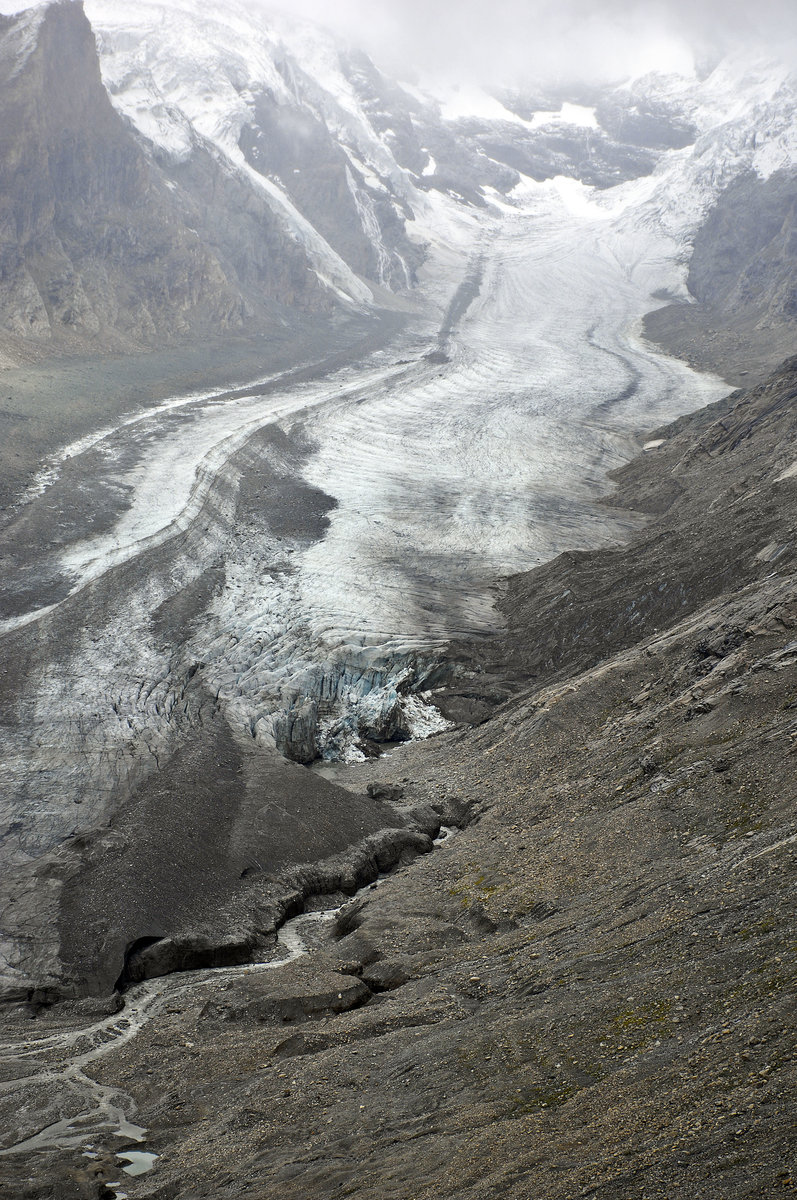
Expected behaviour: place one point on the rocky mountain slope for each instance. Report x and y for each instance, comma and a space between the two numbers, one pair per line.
587, 990
97, 250
170, 175
742, 275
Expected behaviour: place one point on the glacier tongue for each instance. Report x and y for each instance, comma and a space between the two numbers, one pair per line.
476, 446
283, 566
454, 473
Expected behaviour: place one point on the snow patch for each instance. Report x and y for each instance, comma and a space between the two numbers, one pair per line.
459, 102
789, 473
569, 114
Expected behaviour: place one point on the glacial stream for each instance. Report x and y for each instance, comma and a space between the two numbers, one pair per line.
59, 1064
106, 1111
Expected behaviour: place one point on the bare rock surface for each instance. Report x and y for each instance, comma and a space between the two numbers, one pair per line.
741, 275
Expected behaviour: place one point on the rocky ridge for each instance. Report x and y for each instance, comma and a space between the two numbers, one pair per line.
96, 250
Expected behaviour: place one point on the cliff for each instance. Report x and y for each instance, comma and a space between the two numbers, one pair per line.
97, 250
742, 271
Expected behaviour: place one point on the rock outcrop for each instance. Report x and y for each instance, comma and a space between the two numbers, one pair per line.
742, 275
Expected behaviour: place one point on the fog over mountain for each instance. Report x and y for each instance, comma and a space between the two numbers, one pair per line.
569, 40
591, 40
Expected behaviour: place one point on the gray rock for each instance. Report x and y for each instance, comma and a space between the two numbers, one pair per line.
296, 992
389, 792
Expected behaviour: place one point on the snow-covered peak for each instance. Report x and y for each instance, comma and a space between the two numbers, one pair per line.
190, 78
258, 88
745, 103
741, 85
207, 67
198, 67
276, 99
744, 113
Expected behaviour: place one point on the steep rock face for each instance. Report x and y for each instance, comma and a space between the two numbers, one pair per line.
326, 187
270, 99
94, 247
744, 261
270, 269
743, 275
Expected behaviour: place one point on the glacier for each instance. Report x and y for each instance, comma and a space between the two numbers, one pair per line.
473, 445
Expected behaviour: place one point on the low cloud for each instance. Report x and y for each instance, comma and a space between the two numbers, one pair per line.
588, 40
518, 41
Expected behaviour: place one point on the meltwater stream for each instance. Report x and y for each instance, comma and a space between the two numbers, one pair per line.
60, 1063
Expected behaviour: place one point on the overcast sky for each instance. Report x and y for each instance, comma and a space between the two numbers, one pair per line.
505, 41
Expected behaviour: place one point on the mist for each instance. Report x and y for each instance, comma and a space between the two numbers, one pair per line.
506, 41
512, 42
